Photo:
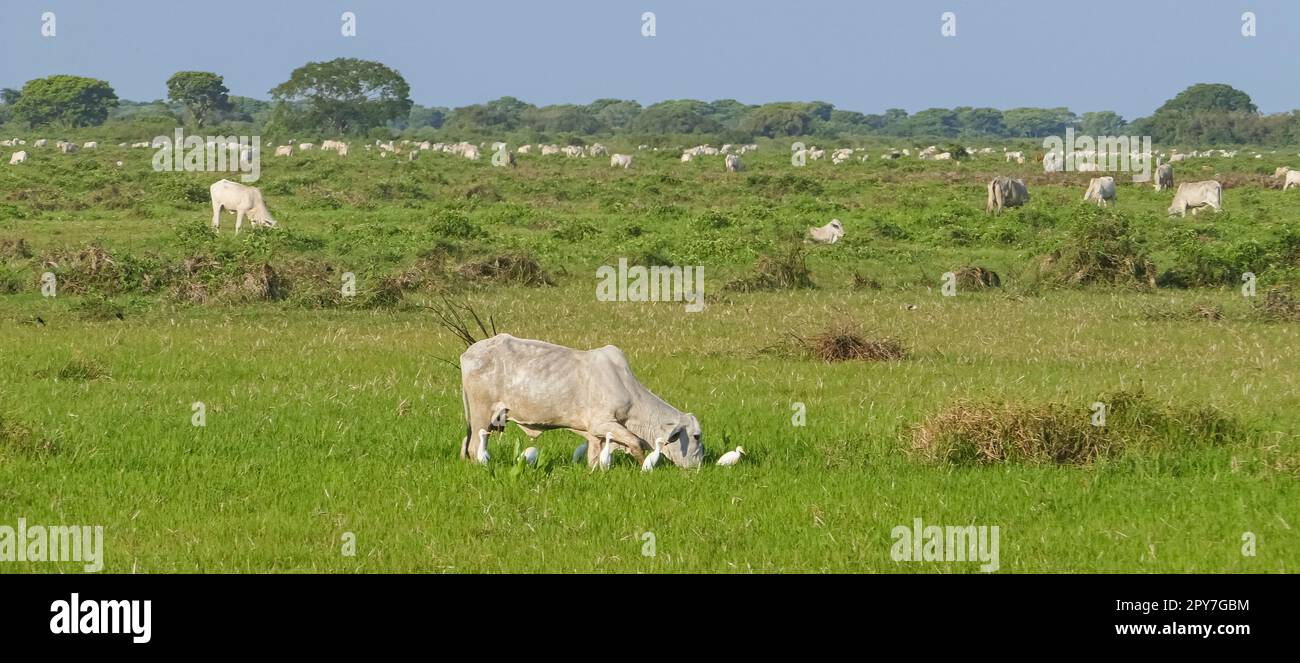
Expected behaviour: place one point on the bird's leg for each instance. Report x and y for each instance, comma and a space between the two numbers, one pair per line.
621, 436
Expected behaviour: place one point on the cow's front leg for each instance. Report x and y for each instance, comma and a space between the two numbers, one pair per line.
620, 436
239, 220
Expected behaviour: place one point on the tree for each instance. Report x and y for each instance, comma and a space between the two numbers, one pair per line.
1211, 97
562, 118
1037, 122
680, 116
779, 119
614, 113
1102, 123
73, 101
201, 92
345, 95
980, 121
9, 96
933, 122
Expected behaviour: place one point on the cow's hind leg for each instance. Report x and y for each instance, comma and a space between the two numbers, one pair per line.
478, 421
216, 216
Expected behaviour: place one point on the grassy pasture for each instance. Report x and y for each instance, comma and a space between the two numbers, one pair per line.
323, 420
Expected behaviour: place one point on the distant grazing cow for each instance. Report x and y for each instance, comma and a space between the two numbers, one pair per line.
1101, 190
733, 164
597, 150
1197, 195
524, 149
620, 161
687, 156
40, 142
67, 148
1018, 157
91, 145
305, 147
17, 158
1164, 176
827, 234
284, 151
242, 200
574, 151
1053, 162
1292, 178
1005, 192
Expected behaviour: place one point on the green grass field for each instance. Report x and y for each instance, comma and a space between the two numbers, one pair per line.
325, 417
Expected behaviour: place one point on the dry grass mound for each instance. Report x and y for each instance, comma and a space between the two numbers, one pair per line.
18, 439
1101, 250
844, 340
786, 269
507, 269
974, 277
1278, 306
968, 432
14, 249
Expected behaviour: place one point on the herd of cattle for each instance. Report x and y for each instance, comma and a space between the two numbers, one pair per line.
593, 393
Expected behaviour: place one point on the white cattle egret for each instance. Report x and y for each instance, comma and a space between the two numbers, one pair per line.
653, 458
605, 453
731, 457
529, 455
482, 456
580, 453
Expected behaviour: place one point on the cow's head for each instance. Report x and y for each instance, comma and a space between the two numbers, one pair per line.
682, 442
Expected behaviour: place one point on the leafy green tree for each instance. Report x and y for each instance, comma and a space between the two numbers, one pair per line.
1037, 122
562, 118
9, 96
980, 121
345, 95
933, 122
784, 118
615, 113
1211, 97
1102, 123
679, 116
72, 101
201, 92
504, 114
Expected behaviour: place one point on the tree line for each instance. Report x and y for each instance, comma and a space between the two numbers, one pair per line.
348, 96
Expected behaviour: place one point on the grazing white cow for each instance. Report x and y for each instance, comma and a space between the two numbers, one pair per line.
1164, 176
1101, 190
816, 154
18, 157
623, 161
548, 150
1292, 178
1281, 172
305, 147
687, 156
40, 142
524, 149
841, 155
1195, 196
67, 148
827, 234
284, 151
597, 150
1005, 192
733, 164
1018, 157
241, 199
541, 386
574, 151
1053, 162
91, 145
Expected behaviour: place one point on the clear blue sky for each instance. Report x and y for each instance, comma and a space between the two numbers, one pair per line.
866, 55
